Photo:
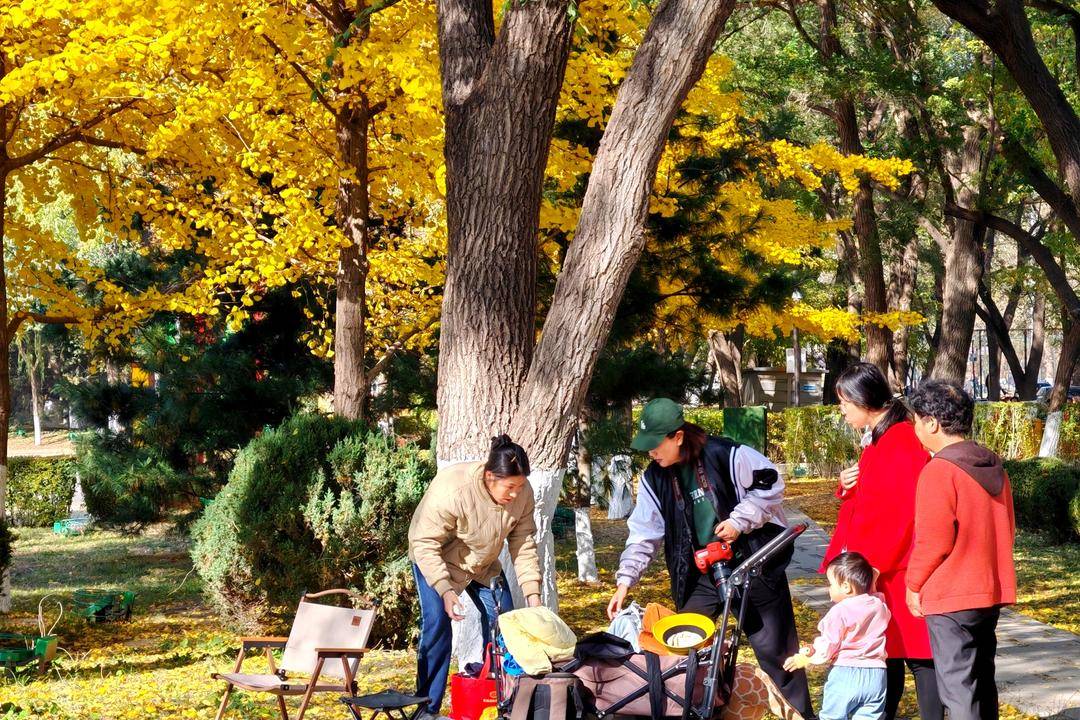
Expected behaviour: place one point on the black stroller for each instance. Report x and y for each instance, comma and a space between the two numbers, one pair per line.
692, 687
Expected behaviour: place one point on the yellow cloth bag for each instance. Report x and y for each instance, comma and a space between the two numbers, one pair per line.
537, 637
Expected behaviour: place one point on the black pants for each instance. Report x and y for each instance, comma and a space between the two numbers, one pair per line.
964, 644
769, 624
930, 707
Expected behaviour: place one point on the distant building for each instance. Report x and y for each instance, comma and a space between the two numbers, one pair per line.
775, 387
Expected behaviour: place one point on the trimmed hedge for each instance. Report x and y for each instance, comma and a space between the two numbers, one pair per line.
815, 435
316, 503
1069, 442
1011, 429
40, 489
1046, 496
710, 419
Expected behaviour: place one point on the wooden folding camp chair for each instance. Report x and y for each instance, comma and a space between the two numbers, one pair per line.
319, 633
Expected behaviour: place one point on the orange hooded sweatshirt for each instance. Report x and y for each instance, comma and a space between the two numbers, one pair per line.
962, 557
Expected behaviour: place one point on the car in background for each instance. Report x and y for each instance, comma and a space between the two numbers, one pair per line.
1042, 394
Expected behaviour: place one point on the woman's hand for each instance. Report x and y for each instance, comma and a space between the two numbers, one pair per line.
533, 601
617, 599
849, 477
727, 531
452, 605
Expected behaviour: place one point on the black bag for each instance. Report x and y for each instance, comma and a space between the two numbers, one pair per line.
555, 696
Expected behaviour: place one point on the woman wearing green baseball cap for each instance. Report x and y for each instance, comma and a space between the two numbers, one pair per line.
699, 489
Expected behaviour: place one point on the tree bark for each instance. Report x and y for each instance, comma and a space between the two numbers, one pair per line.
351, 213
1025, 371
963, 263
998, 329
1004, 27
726, 355
993, 352
610, 232
609, 240
499, 96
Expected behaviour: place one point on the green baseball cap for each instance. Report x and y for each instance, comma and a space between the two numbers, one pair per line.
658, 418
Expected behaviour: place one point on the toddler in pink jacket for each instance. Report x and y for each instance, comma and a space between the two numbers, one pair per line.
852, 639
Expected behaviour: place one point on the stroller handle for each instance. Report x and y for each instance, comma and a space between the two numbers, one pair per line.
753, 564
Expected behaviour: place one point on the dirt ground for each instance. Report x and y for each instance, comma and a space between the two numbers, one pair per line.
53, 443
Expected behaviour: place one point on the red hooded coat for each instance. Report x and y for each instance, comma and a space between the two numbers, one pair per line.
877, 519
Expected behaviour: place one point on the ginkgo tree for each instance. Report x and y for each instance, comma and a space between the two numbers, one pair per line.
266, 142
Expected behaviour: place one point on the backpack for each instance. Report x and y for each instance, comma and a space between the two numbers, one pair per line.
555, 696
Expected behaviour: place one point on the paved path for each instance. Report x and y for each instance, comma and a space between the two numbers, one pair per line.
1038, 666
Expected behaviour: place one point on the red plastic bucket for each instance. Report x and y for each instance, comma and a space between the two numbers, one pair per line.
470, 696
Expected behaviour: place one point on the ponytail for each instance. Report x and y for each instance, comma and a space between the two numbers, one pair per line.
506, 458
896, 412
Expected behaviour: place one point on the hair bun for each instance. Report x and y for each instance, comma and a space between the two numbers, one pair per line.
501, 441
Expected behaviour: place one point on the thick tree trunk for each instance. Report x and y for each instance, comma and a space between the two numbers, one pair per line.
610, 233
499, 97
1003, 25
726, 352
963, 265
351, 212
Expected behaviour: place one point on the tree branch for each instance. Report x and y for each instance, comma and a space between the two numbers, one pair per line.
382, 363
1059, 281
992, 317
102, 142
315, 91
1058, 200
68, 137
19, 317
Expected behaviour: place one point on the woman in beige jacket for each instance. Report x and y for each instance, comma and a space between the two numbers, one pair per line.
455, 538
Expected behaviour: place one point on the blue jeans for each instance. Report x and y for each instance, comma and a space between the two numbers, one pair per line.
436, 639
854, 692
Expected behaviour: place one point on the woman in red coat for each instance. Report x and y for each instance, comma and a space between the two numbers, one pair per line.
877, 519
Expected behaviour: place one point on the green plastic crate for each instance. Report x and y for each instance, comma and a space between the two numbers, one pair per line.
17, 651
746, 425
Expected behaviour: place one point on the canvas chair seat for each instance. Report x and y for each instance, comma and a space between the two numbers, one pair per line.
267, 682
325, 642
